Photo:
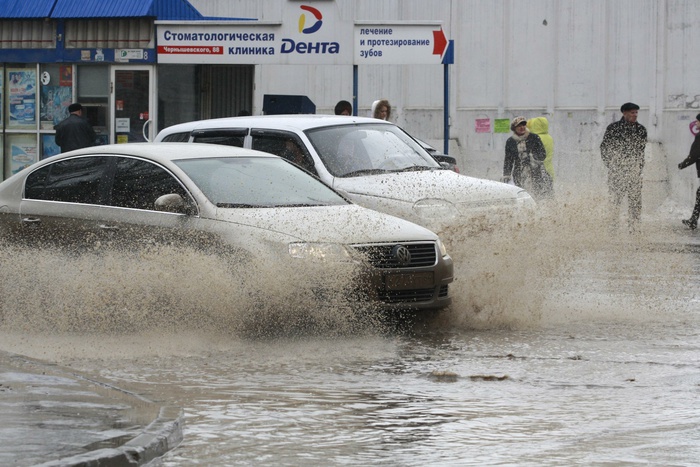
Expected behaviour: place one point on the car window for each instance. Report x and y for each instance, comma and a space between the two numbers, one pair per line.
229, 137
75, 180
348, 150
257, 182
182, 137
138, 183
284, 144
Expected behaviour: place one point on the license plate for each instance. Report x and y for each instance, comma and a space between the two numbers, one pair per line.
417, 280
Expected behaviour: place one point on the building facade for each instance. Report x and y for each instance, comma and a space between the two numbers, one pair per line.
141, 65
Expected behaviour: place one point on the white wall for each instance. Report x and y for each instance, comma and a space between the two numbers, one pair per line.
574, 61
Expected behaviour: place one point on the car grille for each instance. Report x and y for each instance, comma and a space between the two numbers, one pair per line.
388, 257
403, 296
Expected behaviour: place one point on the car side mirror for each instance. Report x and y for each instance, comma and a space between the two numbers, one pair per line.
171, 202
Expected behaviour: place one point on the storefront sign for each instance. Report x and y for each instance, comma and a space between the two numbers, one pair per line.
125, 55
399, 44
308, 34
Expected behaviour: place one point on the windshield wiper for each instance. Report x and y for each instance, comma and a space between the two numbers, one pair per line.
415, 168
364, 172
235, 205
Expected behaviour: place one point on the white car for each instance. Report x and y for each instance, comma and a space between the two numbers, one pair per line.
252, 207
372, 162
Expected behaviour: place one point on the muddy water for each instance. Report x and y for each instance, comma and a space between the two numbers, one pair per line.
564, 346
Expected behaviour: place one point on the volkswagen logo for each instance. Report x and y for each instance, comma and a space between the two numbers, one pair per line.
402, 255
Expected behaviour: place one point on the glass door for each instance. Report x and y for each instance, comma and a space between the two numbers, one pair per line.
133, 104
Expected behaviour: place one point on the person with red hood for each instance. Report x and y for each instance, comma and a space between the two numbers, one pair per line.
694, 158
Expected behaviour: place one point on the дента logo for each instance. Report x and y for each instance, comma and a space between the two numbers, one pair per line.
302, 20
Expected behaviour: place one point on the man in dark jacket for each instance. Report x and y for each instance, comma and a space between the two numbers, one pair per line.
622, 151
694, 158
74, 132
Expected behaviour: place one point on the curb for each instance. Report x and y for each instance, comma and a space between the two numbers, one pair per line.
162, 435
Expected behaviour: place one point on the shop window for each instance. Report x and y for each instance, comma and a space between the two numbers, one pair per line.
56, 94
21, 95
21, 151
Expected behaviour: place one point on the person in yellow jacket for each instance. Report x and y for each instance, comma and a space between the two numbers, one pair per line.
540, 127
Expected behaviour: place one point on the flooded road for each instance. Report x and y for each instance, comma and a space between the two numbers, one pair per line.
571, 349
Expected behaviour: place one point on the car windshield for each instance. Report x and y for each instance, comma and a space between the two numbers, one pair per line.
254, 182
365, 149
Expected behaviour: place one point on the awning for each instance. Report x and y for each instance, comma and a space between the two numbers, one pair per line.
23, 9
173, 10
159, 9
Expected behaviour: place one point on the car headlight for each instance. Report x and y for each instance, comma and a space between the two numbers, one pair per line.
525, 198
434, 208
320, 252
441, 248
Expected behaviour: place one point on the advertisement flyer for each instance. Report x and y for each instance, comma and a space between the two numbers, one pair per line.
22, 95
23, 151
54, 105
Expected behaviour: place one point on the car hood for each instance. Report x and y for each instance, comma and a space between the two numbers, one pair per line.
435, 184
348, 224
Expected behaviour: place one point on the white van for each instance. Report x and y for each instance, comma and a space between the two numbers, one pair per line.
373, 162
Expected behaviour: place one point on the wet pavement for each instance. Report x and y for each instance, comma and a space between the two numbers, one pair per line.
54, 416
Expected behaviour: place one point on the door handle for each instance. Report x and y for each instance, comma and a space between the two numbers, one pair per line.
110, 228
143, 130
31, 220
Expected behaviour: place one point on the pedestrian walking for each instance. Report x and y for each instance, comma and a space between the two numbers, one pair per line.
622, 151
694, 158
540, 127
74, 132
381, 109
524, 161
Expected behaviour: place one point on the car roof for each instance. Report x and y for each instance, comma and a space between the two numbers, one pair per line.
278, 122
166, 151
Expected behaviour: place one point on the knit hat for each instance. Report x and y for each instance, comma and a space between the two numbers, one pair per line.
629, 106
517, 121
74, 107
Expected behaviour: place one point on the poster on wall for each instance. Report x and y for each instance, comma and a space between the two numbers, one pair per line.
48, 146
23, 152
54, 105
66, 78
22, 95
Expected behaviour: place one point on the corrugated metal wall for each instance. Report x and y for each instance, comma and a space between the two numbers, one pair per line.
574, 61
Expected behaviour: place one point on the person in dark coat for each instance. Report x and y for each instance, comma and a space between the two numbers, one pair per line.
694, 158
622, 151
343, 108
74, 132
524, 161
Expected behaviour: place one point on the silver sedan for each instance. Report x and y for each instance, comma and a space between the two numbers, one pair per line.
253, 206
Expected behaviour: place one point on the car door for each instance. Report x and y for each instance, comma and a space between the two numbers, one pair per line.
131, 217
224, 136
285, 144
62, 201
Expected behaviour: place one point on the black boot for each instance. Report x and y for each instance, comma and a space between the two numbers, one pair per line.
692, 223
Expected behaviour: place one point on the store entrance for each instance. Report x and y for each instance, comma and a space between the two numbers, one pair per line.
132, 104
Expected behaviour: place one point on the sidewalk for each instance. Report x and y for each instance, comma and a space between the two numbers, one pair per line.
52, 416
